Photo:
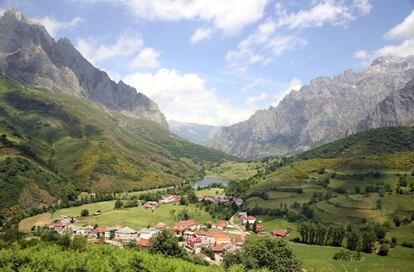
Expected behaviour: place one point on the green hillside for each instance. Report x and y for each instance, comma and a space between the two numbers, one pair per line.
368, 176
69, 140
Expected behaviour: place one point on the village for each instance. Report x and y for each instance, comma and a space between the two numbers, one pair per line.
223, 236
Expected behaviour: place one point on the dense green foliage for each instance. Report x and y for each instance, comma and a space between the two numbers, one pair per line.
264, 252
372, 142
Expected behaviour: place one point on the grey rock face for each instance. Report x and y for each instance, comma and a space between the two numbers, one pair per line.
195, 133
397, 109
322, 111
31, 56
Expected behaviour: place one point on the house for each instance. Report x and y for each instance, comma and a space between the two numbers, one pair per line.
184, 225
110, 232
221, 199
97, 232
147, 233
206, 198
240, 240
218, 248
196, 242
260, 228
218, 237
170, 199
280, 233
150, 205
248, 218
144, 243
126, 235
221, 225
230, 248
200, 233
58, 226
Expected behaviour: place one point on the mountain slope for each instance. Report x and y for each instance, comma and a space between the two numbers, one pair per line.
324, 110
70, 140
397, 109
31, 56
195, 133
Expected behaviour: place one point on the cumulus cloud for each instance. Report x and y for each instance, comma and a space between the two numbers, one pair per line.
364, 6
147, 58
126, 47
54, 26
186, 97
201, 34
262, 46
228, 16
268, 42
294, 85
403, 32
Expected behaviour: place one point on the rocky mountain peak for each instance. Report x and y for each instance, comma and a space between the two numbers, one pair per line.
324, 110
31, 56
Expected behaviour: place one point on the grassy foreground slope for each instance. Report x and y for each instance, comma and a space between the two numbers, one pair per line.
66, 139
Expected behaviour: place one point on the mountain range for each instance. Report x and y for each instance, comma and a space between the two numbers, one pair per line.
325, 110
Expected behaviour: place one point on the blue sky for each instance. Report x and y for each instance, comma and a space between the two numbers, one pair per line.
217, 61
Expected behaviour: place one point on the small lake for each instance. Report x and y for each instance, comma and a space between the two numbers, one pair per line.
206, 181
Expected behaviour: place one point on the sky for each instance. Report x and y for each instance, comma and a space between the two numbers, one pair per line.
218, 61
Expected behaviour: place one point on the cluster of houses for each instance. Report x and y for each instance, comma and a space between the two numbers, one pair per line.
222, 199
221, 237
165, 200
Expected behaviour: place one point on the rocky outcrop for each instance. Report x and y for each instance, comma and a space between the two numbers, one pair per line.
397, 109
31, 56
322, 111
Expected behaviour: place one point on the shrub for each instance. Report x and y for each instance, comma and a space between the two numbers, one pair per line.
383, 250
85, 212
407, 244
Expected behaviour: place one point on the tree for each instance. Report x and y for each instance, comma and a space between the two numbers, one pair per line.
357, 190
166, 243
119, 204
254, 228
84, 212
393, 241
264, 252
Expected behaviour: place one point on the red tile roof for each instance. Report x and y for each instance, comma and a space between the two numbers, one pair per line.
260, 228
200, 233
248, 217
218, 248
279, 232
143, 242
221, 224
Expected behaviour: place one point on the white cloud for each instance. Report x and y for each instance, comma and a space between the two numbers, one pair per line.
326, 12
251, 85
201, 34
364, 6
253, 99
186, 97
53, 26
147, 58
126, 45
228, 16
262, 46
294, 85
268, 42
404, 30
361, 54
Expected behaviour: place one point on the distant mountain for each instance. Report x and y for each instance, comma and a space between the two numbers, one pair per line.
322, 111
397, 109
29, 55
195, 133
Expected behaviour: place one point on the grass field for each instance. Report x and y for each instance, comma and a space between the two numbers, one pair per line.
137, 217
235, 171
209, 192
319, 259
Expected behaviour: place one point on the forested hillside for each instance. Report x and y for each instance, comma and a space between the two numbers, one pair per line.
53, 144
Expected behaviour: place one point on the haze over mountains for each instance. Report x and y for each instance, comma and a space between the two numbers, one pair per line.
324, 110
31, 56
195, 133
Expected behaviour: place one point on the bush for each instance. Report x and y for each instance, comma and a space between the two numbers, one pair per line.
118, 204
383, 250
85, 212
397, 221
